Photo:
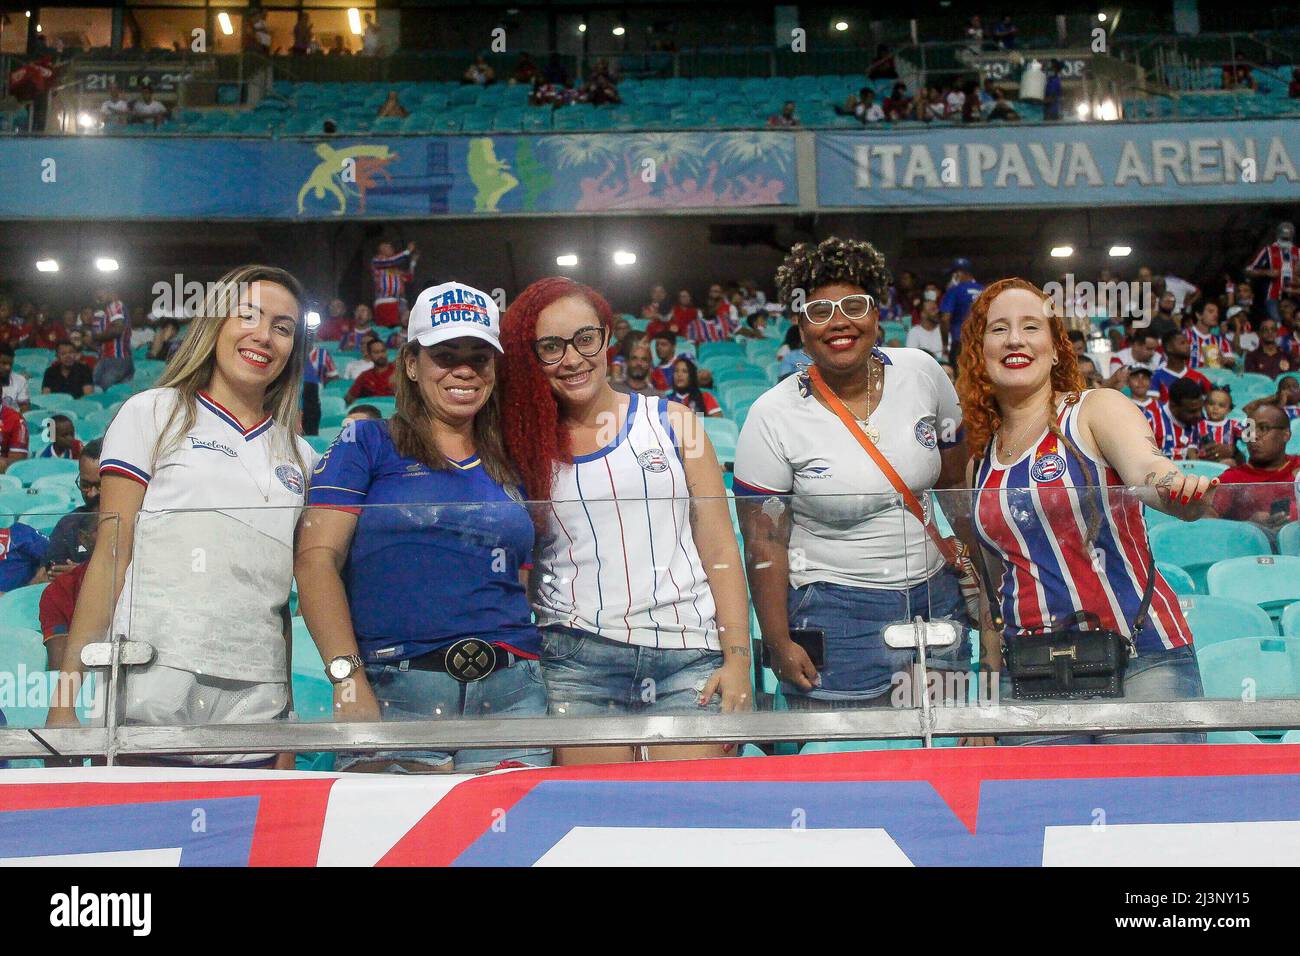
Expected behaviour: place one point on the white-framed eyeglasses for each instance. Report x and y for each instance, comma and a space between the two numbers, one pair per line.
819, 311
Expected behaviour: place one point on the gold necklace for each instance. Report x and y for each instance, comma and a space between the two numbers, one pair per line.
1019, 437
872, 432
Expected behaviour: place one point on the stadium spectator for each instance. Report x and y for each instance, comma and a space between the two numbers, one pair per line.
1175, 423
1209, 347
48, 332
335, 321
172, 455
302, 34
257, 35
970, 103
603, 70
147, 109
64, 443
1293, 88
850, 581
479, 73
57, 605
898, 105
339, 47
67, 376
143, 330
956, 303
1166, 317
318, 371
1216, 433
600, 91
1269, 472
883, 66
363, 413
679, 320
622, 329
458, 645
609, 630
752, 298
22, 556
1002, 108
665, 353
391, 271
637, 371
14, 390
686, 389
525, 70
1052, 92
378, 380
953, 103
165, 341
13, 437
1240, 331
14, 331
1269, 358
73, 538
1243, 295
1176, 367
116, 109
1138, 382
717, 322
1036, 433
929, 105
392, 106
112, 333
868, 110
371, 39
926, 333
785, 119
1004, 32
1277, 263
1143, 350
791, 356
1088, 369
658, 304
354, 336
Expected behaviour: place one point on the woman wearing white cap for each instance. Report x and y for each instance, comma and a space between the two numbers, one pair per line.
419, 608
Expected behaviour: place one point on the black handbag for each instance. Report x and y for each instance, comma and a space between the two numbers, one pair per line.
1073, 662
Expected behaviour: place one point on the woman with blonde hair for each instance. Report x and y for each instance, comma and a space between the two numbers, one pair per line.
1051, 465
203, 480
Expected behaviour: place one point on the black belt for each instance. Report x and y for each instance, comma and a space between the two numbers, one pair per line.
467, 660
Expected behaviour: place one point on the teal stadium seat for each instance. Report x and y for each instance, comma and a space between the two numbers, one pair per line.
21, 606
21, 503
722, 432
1269, 581
1263, 667
708, 351
1195, 545
1177, 578
1291, 620
733, 396
313, 694
734, 375
1217, 619
30, 469
1210, 469
22, 652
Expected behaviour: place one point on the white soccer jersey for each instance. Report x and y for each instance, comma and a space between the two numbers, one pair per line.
205, 586
847, 525
618, 558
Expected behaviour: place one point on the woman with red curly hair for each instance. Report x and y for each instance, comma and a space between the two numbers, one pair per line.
639, 589
1050, 460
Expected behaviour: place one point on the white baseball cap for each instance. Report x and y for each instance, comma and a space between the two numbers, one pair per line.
452, 310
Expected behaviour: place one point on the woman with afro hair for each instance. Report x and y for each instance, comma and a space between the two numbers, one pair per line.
637, 583
840, 558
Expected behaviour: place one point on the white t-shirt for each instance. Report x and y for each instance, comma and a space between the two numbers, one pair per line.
954, 101
116, 109
17, 392
353, 369
869, 114
149, 110
846, 527
205, 587
1181, 289
931, 340
1124, 358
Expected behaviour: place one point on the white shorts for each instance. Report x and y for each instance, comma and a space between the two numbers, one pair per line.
160, 695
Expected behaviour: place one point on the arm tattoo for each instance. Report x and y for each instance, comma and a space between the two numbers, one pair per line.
740, 650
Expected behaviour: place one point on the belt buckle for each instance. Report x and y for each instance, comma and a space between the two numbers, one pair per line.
470, 659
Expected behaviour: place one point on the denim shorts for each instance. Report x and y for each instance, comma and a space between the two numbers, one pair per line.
858, 665
1154, 676
410, 694
589, 676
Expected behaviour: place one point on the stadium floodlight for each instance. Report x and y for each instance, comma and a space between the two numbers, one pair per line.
106, 264
1101, 17
1119, 252
354, 21
223, 21
568, 260
582, 28
624, 258
1082, 110
1062, 252
313, 319
1107, 111
47, 265
38, 28
28, 14
841, 25
86, 120
619, 31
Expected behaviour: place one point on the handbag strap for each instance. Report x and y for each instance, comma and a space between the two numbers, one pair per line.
947, 548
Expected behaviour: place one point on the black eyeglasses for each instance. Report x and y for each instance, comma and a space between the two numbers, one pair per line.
587, 342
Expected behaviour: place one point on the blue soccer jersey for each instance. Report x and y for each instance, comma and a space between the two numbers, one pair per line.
22, 549
435, 556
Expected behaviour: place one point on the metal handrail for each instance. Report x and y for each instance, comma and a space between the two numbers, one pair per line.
1117, 717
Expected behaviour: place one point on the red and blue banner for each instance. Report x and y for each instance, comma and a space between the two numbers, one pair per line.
1028, 806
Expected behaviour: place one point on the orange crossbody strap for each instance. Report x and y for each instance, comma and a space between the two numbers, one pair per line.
947, 548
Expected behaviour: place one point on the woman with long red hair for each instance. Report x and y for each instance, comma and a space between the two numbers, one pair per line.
1050, 462
639, 588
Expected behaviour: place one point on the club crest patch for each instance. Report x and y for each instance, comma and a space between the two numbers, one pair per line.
1047, 467
653, 460
926, 435
290, 477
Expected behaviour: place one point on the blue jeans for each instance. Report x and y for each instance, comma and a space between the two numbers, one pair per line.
858, 665
409, 694
589, 676
109, 371
1163, 675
